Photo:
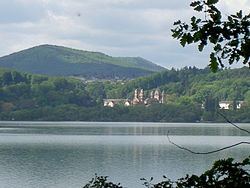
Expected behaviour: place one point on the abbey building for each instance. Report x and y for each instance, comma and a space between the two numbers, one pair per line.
155, 97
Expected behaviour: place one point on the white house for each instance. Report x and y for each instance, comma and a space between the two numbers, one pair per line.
228, 104
113, 102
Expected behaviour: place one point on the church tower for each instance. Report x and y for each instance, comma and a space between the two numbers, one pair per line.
136, 94
152, 94
141, 96
162, 97
136, 100
157, 94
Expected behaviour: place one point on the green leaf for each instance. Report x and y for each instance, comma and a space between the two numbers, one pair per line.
189, 38
201, 47
177, 22
230, 19
193, 19
198, 8
197, 36
212, 2
233, 43
246, 161
213, 39
213, 63
186, 26
226, 33
183, 41
239, 14
213, 10
175, 33
217, 48
195, 3
216, 17
246, 60
198, 21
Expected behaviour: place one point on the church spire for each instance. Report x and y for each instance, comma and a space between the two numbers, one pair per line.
141, 96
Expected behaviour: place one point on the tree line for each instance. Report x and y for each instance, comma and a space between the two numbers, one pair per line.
26, 96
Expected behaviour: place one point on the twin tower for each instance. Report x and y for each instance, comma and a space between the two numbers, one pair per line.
156, 97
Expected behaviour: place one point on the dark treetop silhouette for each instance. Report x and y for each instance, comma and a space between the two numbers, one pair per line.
229, 37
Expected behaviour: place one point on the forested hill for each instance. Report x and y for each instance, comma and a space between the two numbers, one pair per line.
25, 96
192, 84
62, 61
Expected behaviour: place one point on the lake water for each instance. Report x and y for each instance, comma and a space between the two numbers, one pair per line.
68, 154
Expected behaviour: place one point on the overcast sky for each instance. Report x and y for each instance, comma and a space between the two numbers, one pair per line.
115, 27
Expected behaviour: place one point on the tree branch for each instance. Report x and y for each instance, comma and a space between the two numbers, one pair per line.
222, 115
209, 152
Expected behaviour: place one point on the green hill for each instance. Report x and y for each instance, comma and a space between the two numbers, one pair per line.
62, 61
191, 84
25, 96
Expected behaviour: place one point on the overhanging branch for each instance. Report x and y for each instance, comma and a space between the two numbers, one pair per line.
222, 115
209, 152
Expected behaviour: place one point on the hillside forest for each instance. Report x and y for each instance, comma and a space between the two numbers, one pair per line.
54, 60
192, 95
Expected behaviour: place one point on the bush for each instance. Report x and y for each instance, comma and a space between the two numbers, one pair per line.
224, 174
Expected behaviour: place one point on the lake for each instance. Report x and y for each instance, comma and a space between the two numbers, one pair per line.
68, 154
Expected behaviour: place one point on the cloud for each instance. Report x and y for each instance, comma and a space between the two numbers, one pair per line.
15, 11
232, 6
116, 27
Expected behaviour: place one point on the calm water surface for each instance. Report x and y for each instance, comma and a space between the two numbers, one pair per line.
67, 155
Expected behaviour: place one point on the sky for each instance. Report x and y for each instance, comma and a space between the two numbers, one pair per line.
115, 27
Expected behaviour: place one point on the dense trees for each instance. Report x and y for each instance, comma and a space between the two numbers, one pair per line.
62, 61
34, 97
229, 37
22, 93
154, 113
191, 82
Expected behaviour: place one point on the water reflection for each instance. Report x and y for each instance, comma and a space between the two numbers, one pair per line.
89, 128
54, 156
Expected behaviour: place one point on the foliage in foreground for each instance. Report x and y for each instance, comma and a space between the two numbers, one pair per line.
224, 174
229, 37
101, 182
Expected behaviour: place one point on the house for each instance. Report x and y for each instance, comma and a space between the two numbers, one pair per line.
229, 104
113, 102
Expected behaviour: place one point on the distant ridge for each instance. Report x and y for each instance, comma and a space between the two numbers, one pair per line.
63, 61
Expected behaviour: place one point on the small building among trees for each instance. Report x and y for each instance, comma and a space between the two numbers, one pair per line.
155, 97
113, 102
227, 105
